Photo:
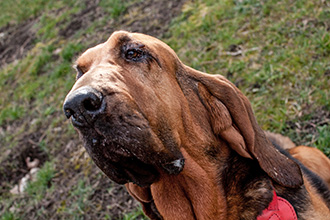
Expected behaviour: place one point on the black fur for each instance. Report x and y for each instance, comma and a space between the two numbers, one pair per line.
316, 181
249, 189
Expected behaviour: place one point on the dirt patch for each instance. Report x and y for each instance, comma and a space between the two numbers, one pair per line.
82, 20
79, 186
16, 40
151, 17
15, 165
305, 126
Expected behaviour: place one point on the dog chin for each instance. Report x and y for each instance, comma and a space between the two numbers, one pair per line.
124, 175
120, 165
121, 159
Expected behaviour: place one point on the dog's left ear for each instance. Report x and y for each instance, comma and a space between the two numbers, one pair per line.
233, 120
143, 195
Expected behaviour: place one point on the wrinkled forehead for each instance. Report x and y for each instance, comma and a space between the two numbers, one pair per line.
118, 40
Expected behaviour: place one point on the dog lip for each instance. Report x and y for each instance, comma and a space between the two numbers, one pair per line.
117, 152
130, 168
78, 121
174, 167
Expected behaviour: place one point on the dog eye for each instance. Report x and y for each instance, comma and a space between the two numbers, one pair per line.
134, 54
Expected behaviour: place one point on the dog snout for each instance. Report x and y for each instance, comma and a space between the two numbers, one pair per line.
84, 105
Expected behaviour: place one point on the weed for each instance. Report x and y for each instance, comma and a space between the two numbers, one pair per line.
11, 113
70, 50
323, 141
78, 205
138, 214
21, 10
114, 7
37, 188
9, 216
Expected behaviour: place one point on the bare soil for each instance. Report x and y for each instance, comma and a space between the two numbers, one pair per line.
16, 40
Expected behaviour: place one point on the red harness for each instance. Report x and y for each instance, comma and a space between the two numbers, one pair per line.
278, 209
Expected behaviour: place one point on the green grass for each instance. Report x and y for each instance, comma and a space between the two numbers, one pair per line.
323, 141
77, 203
9, 216
16, 11
138, 214
287, 52
114, 7
38, 188
38, 77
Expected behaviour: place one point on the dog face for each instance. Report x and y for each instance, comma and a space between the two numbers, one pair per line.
125, 105
135, 105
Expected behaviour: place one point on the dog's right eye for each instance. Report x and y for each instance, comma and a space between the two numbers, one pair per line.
134, 54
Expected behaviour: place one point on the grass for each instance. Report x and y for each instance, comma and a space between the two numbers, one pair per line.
38, 188
138, 214
16, 11
283, 68
9, 216
114, 7
323, 141
77, 203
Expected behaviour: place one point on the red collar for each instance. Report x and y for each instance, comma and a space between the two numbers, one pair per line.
278, 209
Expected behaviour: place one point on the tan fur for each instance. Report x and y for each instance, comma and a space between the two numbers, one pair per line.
318, 210
280, 140
195, 193
313, 159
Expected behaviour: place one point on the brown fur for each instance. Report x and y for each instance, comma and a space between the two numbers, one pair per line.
318, 209
185, 143
280, 140
314, 160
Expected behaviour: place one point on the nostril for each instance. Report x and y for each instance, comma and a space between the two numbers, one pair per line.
68, 112
84, 105
91, 104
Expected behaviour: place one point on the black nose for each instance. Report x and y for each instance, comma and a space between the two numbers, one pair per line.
83, 106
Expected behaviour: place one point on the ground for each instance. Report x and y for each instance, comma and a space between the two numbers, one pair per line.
276, 53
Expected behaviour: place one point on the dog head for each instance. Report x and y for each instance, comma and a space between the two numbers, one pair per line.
129, 105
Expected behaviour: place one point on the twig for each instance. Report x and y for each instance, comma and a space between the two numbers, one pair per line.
234, 54
239, 52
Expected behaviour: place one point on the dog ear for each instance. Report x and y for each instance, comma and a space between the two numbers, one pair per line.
233, 120
222, 123
142, 194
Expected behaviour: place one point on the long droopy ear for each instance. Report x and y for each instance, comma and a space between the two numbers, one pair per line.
233, 120
143, 195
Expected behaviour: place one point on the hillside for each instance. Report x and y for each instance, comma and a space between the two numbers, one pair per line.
276, 52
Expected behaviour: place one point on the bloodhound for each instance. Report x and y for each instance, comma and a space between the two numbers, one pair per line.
186, 143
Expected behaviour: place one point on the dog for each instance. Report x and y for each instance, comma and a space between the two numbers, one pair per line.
185, 143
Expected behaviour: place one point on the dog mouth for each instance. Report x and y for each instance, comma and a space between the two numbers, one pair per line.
120, 139
114, 156
125, 153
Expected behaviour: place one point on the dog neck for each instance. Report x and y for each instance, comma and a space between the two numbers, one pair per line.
198, 193
193, 194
